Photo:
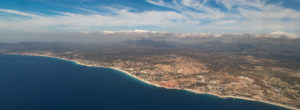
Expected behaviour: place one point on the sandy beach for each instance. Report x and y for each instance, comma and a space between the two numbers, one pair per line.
197, 92
156, 85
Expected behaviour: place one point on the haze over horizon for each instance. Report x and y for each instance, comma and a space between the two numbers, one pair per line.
55, 20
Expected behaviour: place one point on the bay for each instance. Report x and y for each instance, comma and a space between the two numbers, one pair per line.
42, 83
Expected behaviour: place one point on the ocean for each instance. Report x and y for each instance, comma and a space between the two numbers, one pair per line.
42, 83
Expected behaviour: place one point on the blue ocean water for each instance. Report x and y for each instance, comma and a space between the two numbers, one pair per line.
40, 83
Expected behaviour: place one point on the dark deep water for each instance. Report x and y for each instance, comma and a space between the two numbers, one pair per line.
40, 83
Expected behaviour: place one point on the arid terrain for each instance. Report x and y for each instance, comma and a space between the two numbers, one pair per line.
264, 70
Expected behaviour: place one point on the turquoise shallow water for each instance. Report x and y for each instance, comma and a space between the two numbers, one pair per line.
41, 83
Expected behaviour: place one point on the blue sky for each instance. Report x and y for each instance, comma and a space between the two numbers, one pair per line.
182, 16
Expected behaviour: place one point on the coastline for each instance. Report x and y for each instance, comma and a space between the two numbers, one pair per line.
156, 85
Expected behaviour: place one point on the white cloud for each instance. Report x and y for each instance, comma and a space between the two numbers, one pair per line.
247, 15
279, 34
75, 21
226, 22
189, 16
15, 12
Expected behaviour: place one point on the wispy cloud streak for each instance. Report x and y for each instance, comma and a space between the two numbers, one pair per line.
184, 16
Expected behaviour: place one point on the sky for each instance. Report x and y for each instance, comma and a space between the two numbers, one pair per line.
176, 16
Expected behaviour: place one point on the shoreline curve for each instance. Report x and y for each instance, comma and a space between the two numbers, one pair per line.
156, 85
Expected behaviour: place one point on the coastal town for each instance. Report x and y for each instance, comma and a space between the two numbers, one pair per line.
216, 73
